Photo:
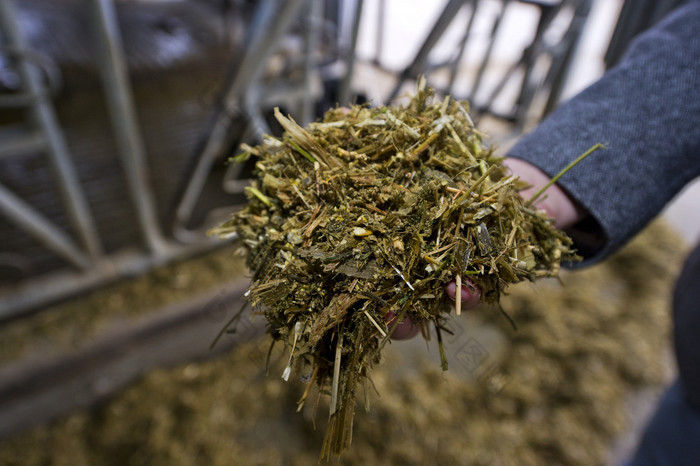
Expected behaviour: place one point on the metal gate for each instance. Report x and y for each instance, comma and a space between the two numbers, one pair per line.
76, 213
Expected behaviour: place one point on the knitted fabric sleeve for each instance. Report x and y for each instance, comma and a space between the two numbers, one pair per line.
646, 111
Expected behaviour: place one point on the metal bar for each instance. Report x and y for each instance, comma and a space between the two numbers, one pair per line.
261, 46
381, 21
255, 129
41, 228
635, 17
261, 20
34, 294
489, 49
115, 81
561, 65
345, 91
19, 140
43, 63
45, 118
257, 124
310, 45
526, 62
419, 61
528, 89
486, 107
462, 46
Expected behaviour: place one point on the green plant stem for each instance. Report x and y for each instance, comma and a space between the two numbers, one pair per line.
563, 172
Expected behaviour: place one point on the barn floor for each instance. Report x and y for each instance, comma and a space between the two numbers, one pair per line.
556, 391
573, 386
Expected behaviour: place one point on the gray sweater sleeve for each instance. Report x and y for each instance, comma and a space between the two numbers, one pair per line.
647, 112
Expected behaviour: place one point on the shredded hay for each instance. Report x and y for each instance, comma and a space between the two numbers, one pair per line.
368, 214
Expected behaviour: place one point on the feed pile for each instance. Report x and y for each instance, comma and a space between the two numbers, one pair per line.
358, 222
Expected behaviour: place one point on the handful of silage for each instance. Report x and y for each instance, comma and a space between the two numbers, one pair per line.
368, 215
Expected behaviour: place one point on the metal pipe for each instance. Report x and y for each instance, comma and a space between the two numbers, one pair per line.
34, 294
41, 228
45, 118
379, 40
419, 61
528, 88
21, 142
487, 54
254, 131
526, 61
345, 91
310, 45
48, 67
262, 44
460, 52
114, 75
561, 65
261, 47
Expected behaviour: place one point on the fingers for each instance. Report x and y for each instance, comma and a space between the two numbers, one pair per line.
471, 296
565, 210
404, 330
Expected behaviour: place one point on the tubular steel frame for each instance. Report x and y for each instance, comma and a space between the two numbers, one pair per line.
243, 94
91, 267
560, 55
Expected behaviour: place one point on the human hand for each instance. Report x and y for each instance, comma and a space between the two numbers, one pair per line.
406, 329
558, 205
555, 201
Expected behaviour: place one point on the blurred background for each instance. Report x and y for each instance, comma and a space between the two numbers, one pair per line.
117, 119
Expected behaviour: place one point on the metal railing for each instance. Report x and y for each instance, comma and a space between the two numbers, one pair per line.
559, 53
246, 94
243, 94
